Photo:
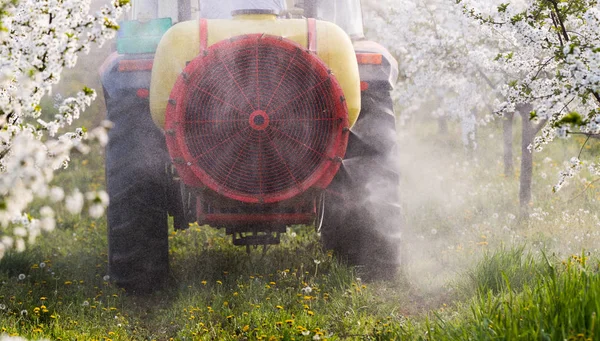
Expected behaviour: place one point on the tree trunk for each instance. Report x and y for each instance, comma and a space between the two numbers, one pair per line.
443, 125
529, 130
507, 125
526, 164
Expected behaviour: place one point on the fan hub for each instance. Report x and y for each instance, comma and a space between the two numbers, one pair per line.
259, 120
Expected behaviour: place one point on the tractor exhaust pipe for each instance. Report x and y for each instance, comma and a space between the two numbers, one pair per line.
184, 10
310, 8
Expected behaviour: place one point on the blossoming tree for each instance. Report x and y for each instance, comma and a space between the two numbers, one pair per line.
555, 70
538, 58
443, 59
38, 39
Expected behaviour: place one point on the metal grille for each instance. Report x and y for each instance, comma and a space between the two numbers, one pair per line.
259, 119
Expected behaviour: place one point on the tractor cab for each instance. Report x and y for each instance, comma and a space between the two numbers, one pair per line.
345, 13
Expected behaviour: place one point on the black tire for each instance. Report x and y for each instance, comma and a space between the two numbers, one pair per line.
139, 189
362, 217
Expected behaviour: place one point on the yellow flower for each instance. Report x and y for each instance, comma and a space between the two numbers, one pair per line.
68, 283
235, 294
203, 282
310, 313
219, 282
279, 307
245, 328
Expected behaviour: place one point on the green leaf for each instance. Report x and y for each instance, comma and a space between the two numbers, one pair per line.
571, 118
502, 8
532, 115
87, 91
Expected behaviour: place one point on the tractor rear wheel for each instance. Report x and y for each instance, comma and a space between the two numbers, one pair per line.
139, 190
362, 218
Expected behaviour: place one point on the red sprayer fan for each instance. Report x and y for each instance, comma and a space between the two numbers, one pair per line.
257, 119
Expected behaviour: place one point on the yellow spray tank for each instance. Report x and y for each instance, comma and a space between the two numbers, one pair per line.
182, 43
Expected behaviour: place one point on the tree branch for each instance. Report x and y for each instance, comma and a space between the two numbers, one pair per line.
542, 68
540, 125
584, 190
556, 26
560, 21
596, 96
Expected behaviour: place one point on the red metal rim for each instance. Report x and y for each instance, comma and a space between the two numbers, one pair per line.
256, 127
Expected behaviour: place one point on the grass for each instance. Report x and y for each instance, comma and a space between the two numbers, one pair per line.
473, 271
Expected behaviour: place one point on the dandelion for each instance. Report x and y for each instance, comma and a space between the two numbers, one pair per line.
434, 232
317, 261
219, 282
306, 332
85, 303
106, 278
307, 290
316, 337
21, 277
245, 328
310, 313
42, 265
2, 306
24, 312
279, 307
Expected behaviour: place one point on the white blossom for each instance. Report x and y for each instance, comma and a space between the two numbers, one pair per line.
39, 38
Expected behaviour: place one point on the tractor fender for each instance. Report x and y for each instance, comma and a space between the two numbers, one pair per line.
376, 65
124, 75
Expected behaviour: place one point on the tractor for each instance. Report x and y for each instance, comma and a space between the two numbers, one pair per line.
249, 116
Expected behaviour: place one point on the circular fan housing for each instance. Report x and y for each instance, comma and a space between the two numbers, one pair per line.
258, 119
